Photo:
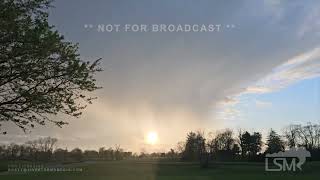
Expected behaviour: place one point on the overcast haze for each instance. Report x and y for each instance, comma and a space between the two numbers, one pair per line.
261, 74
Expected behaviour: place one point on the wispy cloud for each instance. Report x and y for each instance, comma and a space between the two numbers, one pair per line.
298, 68
229, 101
301, 67
263, 104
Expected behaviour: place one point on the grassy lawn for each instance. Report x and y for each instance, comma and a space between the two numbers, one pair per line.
149, 170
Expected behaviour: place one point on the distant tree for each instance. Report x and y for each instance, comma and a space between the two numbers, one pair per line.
222, 146
223, 141
255, 143
235, 149
101, 153
13, 150
194, 147
172, 154
91, 155
42, 148
3, 154
118, 152
60, 155
291, 135
45, 144
275, 143
108, 154
48, 143
309, 136
41, 74
22, 151
190, 147
127, 155
180, 147
250, 144
76, 154
244, 142
2, 150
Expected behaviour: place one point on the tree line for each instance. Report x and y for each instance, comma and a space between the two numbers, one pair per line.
225, 145
246, 146
44, 149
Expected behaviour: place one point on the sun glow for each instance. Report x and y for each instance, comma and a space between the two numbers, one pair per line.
152, 138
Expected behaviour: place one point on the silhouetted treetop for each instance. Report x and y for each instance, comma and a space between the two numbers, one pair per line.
274, 142
41, 74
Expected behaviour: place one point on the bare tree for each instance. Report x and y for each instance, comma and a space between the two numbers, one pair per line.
307, 136
223, 141
291, 134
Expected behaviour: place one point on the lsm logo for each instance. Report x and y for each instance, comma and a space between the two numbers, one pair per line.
280, 160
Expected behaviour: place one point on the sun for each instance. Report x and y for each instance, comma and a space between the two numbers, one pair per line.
152, 137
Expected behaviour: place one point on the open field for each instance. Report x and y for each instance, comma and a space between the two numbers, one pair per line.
149, 170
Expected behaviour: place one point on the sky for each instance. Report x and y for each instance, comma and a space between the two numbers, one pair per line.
260, 70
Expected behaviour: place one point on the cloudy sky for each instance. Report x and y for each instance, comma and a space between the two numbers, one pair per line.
259, 71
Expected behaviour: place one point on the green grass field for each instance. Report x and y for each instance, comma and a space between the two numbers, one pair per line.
153, 170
